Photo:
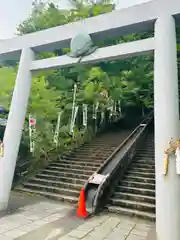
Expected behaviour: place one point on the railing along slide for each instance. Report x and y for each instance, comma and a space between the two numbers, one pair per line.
101, 184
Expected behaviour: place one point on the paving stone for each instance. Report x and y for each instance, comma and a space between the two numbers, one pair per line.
2, 237
41, 213
152, 234
78, 234
135, 237
92, 237
45, 209
15, 233
143, 227
28, 221
113, 222
2, 230
104, 229
116, 236
31, 216
54, 217
32, 226
126, 225
39, 223
18, 218
86, 227
7, 225
89, 238
51, 207
66, 238
139, 233
96, 221
101, 231
27, 207
108, 225
95, 235
124, 231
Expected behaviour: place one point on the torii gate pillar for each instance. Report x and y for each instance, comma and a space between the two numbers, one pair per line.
15, 124
166, 106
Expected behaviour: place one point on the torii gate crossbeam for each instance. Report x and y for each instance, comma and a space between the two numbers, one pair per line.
156, 15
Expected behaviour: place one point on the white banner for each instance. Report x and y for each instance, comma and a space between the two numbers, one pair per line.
32, 132
94, 115
56, 134
74, 119
177, 154
85, 108
114, 110
119, 102
74, 104
111, 111
110, 107
95, 108
102, 117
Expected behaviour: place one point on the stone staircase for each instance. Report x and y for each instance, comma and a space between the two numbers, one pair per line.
63, 178
135, 193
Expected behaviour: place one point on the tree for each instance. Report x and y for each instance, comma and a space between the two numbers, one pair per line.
7, 80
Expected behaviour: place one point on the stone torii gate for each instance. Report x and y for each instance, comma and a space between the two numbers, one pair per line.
158, 15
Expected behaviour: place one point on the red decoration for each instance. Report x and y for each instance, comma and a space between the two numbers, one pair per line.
32, 122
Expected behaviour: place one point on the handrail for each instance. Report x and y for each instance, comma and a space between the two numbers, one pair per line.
142, 125
119, 147
108, 177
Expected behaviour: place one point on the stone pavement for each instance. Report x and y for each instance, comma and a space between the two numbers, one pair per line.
37, 218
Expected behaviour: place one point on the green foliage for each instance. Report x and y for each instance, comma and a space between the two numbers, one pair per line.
7, 80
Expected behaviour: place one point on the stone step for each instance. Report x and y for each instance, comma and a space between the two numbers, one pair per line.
141, 169
82, 163
81, 170
93, 150
134, 197
65, 174
140, 206
148, 146
77, 166
102, 152
55, 183
96, 145
131, 177
145, 155
143, 165
51, 195
143, 191
89, 157
144, 160
83, 159
146, 149
96, 142
96, 149
51, 189
137, 184
141, 174
132, 212
61, 179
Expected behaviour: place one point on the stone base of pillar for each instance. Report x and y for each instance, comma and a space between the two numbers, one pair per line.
3, 206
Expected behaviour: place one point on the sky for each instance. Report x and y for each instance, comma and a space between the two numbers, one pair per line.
12, 12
